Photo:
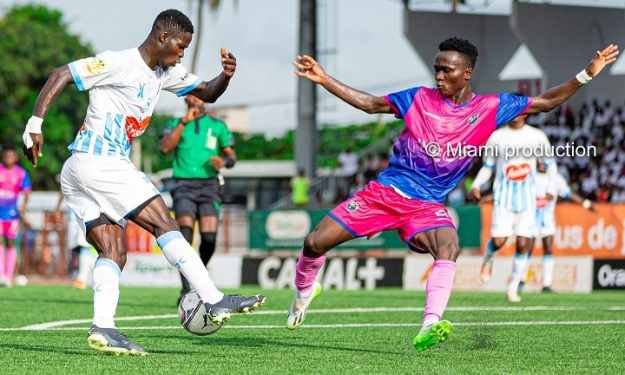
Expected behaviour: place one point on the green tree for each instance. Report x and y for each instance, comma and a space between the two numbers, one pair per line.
35, 40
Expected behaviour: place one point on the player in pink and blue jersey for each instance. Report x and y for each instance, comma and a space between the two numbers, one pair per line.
443, 127
13, 181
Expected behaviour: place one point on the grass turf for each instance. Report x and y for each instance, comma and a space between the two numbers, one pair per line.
490, 336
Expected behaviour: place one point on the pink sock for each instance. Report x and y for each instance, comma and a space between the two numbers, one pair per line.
306, 271
1, 260
438, 288
9, 266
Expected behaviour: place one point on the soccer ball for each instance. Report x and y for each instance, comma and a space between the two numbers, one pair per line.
194, 317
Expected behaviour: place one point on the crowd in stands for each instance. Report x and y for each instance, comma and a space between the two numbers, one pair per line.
596, 128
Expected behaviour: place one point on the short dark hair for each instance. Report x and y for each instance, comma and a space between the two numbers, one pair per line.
461, 46
174, 22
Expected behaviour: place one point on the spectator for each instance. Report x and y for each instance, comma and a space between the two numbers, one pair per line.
300, 187
349, 162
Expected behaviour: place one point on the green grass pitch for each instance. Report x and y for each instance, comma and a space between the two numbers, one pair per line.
43, 331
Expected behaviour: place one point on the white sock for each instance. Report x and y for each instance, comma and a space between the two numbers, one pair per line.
518, 268
547, 270
182, 256
105, 282
85, 264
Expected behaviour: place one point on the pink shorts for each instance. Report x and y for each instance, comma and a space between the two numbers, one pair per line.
9, 228
379, 208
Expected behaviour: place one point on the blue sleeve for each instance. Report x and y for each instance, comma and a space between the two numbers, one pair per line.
26, 185
401, 101
510, 106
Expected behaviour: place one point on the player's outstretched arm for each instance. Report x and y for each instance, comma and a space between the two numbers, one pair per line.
210, 91
32, 137
555, 96
309, 68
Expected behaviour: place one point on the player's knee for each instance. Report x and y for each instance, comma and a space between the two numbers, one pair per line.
187, 233
448, 250
498, 242
311, 245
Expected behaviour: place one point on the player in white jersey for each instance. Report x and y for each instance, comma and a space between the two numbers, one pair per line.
100, 183
512, 151
546, 219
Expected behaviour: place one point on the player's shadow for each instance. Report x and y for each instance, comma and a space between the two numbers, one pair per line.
47, 349
260, 342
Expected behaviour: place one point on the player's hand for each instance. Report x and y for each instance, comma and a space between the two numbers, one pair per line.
474, 195
602, 59
34, 150
309, 68
218, 162
228, 62
191, 115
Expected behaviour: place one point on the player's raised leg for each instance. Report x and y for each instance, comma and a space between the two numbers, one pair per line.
442, 243
328, 234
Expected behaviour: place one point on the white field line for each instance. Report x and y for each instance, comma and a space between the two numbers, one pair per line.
355, 325
52, 325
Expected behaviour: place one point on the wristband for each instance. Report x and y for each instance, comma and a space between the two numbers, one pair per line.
182, 122
586, 204
583, 77
229, 162
32, 126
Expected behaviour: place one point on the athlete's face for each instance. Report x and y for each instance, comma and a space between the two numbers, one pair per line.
173, 49
452, 73
9, 158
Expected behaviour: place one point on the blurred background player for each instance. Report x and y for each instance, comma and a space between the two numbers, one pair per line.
300, 189
408, 195
546, 220
78, 244
511, 152
13, 181
197, 140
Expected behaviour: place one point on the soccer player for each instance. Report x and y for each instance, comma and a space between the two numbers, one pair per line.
13, 180
408, 195
197, 140
512, 151
546, 219
100, 183
76, 242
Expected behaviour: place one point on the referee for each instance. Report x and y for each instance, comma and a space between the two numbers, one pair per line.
197, 141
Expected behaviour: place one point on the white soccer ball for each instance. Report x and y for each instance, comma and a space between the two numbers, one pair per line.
194, 317
20, 280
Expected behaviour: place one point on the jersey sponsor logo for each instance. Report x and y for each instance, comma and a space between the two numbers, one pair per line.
185, 76
473, 119
518, 172
95, 66
135, 128
353, 205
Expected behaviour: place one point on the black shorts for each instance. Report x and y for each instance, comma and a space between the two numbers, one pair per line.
196, 197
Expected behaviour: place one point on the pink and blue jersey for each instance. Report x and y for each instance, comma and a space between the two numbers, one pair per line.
426, 164
12, 182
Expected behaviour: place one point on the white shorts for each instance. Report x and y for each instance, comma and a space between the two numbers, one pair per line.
95, 185
545, 222
507, 223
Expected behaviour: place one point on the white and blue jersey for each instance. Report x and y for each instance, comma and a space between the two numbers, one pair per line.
545, 209
514, 156
123, 91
